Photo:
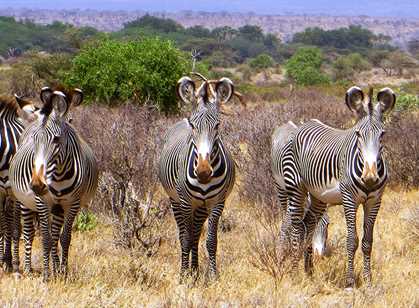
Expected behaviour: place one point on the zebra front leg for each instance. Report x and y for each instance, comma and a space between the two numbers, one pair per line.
2, 232
28, 236
212, 238
56, 225
200, 215
350, 208
65, 239
16, 228
44, 222
183, 216
370, 214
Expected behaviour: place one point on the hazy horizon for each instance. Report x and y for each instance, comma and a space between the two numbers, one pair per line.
400, 8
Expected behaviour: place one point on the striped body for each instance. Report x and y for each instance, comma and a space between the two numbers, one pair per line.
281, 138
337, 167
198, 173
12, 125
53, 173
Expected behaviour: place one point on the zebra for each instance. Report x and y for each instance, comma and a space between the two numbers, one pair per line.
339, 167
281, 136
196, 169
14, 115
54, 172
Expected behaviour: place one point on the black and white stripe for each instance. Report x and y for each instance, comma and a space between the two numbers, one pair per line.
54, 172
195, 198
338, 167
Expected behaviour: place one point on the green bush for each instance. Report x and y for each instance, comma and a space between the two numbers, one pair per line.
85, 221
143, 71
263, 61
304, 67
345, 67
407, 101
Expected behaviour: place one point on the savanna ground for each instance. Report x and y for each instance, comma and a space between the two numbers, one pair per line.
119, 264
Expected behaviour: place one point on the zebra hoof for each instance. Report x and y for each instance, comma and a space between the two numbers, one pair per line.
17, 276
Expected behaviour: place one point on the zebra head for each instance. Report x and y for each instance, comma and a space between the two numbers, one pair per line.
205, 120
27, 109
48, 135
369, 130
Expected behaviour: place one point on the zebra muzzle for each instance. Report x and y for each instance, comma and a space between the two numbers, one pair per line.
38, 183
203, 170
369, 174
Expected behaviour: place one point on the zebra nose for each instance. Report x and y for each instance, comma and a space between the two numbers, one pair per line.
203, 170
37, 183
369, 174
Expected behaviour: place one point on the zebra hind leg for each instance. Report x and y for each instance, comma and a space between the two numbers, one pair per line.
16, 231
200, 216
212, 238
284, 244
8, 232
56, 226
28, 236
315, 210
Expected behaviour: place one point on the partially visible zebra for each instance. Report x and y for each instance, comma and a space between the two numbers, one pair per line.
196, 169
339, 167
280, 138
14, 114
54, 172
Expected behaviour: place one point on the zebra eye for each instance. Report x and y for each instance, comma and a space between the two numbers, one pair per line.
357, 132
383, 133
56, 139
217, 125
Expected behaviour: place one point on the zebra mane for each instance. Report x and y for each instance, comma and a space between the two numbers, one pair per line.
369, 102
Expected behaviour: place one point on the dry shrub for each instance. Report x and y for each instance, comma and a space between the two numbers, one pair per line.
126, 142
402, 149
413, 220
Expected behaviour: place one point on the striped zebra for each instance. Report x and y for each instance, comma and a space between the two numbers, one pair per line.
339, 167
53, 173
196, 169
14, 115
281, 136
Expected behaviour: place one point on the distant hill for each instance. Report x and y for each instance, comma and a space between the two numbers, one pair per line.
401, 30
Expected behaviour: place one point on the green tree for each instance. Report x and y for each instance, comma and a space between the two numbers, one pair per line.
304, 67
346, 67
144, 71
262, 61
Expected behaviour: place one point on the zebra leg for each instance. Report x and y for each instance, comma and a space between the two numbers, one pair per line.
2, 231
44, 222
8, 215
182, 216
56, 225
370, 214
284, 240
350, 208
200, 215
212, 237
315, 211
65, 239
16, 234
28, 236
298, 229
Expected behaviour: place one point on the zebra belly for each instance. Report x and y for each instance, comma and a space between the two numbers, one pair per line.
330, 194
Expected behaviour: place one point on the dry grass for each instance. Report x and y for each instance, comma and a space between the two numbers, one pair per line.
103, 275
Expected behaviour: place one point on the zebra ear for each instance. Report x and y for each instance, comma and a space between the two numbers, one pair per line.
60, 103
224, 89
77, 97
185, 89
46, 94
386, 100
354, 99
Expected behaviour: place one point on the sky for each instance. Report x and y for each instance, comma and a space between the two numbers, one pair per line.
397, 8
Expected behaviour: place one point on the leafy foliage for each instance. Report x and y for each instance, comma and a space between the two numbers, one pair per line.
262, 61
346, 67
143, 71
352, 38
85, 221
304, 67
